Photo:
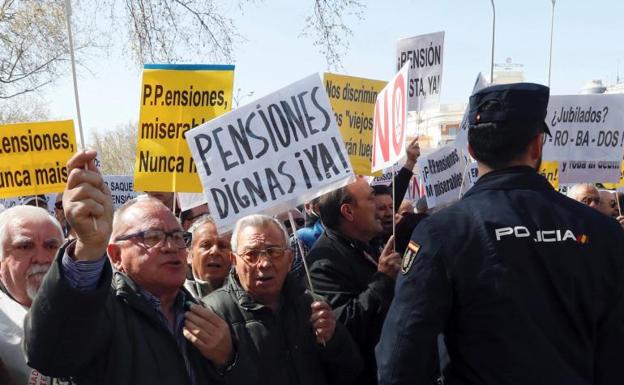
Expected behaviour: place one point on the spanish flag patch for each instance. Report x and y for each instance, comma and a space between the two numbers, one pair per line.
409, 257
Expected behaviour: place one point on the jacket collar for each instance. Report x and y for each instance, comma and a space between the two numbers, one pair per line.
511, 178
246, 301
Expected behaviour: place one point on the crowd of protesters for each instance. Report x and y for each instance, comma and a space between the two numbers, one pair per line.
514, 284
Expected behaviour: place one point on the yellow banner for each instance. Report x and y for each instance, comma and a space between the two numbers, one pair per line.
353, 101
550, 170
174, 99
33, 157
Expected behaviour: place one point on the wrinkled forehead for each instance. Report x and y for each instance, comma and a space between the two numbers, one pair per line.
33, 228
145, 215
269, 235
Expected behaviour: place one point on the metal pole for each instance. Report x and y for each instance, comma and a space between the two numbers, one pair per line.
493, 35
552, 25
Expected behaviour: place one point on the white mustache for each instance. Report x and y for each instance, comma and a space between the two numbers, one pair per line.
37, 268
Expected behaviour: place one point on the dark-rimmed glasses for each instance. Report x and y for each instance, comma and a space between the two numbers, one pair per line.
252, 256
155, 237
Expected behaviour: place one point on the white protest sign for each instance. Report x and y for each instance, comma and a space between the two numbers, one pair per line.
9, 202
470, 177
413, 190
279, 151
187, 201
589, 171
121, 188
424, 55
461, 140
390, 122
585, 127
385, 178
442, 172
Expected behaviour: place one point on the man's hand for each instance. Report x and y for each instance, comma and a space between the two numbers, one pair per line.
210, 335
323, 321
88, 206
620, 219
389, 260
412, 151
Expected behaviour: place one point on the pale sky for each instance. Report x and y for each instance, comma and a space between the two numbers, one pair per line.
587, 45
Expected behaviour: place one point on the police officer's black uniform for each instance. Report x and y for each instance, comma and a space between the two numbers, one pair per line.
526, 284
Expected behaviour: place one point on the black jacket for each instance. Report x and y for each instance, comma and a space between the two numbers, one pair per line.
354, 288
280, 348
526, 284
109, 336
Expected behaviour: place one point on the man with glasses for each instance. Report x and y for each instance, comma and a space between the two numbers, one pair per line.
127, 326
282, 335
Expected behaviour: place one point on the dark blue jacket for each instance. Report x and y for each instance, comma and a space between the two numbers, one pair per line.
526, 284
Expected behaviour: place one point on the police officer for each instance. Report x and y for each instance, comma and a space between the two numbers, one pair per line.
526, 285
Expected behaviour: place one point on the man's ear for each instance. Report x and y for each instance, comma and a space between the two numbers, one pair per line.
471, 151
114, 254
346, 210
535, 147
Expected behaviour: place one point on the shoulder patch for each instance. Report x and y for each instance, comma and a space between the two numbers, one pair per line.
410, 256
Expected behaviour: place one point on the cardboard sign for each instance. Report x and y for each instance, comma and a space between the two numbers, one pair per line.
353, 101
442, 172
585, 128
277, 152
390, 128
33, 157
121, 188
424, 55
174, 99
461, 140
550, 171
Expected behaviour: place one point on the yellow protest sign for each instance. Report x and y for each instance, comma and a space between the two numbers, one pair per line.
550, 170
33, 157
353, 101
174, 99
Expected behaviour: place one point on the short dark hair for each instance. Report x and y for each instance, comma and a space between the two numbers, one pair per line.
329, 206
498, 144
381, 190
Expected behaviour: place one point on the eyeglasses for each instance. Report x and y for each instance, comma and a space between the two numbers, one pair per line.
299, 222
152, 238
252, 256
59, 205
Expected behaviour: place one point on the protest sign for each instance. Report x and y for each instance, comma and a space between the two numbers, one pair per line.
470, 176
585, 128
620, 183
390, 128
413, 190
461, 140
174, 99
279, 151
189, 200
442, 172
121, 188
424, 55
589, 171
550, 171
386, 177
33, 157
353, 101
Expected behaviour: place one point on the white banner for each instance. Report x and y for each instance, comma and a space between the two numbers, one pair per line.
461, 140
589, 172
471, 176
585, 128
390, 122
424, 55
121, 187
442, 173
279, 151
187, 201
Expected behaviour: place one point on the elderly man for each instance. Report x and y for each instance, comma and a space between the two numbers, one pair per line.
209, 258
585, 193
345, 269
281, 334
29, 239
126, 327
